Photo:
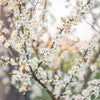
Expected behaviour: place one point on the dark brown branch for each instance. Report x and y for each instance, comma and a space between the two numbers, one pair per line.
38, 80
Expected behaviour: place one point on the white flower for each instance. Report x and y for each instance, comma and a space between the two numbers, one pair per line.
68, 92
85, 93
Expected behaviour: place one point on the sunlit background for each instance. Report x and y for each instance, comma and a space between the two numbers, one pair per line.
58, 9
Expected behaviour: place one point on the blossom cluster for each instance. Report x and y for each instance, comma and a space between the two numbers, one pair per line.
21, 81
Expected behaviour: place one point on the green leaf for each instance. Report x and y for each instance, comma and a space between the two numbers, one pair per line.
11, 73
